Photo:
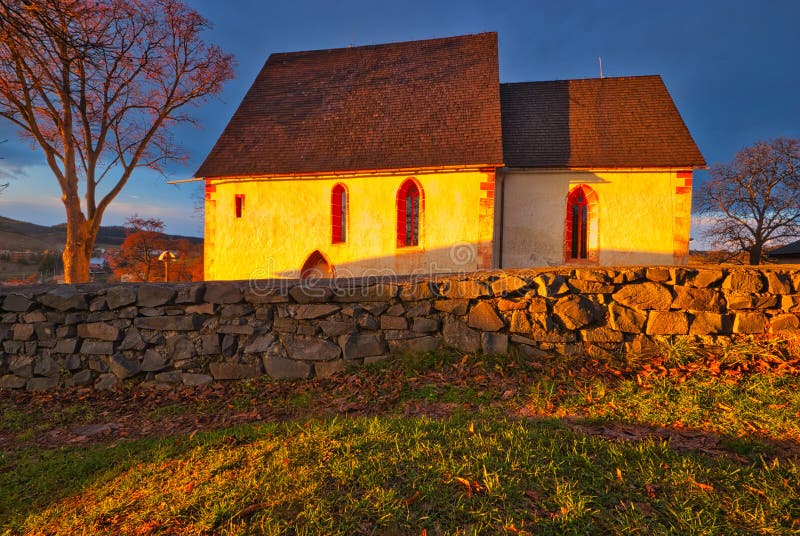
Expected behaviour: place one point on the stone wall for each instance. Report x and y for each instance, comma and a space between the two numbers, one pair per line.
90, 335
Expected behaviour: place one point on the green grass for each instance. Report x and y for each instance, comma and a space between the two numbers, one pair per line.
520, 447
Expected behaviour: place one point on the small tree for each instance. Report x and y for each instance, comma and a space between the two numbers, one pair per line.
754, 201
138, 254
96, 85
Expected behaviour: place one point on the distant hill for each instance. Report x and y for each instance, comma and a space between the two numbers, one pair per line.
21, 235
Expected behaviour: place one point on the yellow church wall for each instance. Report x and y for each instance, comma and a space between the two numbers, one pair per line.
642, 216
286, 220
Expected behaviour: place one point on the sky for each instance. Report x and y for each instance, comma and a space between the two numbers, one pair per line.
731, 67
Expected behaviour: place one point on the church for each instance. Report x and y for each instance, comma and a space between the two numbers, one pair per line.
412, 158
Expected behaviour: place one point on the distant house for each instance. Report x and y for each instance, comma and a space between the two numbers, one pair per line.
788, 254
413, 158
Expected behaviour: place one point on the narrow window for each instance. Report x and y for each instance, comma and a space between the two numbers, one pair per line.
338, 214
239, 204
581, 225
408, 214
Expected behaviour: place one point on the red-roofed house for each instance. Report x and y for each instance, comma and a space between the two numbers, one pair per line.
412, 158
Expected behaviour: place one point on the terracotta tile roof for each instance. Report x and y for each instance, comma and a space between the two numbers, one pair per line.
401, 105
609, 122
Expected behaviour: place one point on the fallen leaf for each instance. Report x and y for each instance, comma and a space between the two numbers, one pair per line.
704, 487
411, 499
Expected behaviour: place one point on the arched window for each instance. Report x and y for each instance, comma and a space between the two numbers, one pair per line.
409, 203
338, 214
580, 243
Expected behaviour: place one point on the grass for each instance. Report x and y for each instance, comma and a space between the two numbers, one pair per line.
525, 448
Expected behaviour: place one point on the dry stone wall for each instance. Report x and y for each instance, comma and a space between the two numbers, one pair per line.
100, 336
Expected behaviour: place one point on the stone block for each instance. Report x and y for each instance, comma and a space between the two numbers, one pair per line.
483, 317
667, 323
149, 295
33, 317
310, 349
416, 292
601, 335
508, 285
200, 309
265, 295
697, 299
123, 368
427, 343
460, 336
583, 286
260, 344
706, 323
314, 310
170, 323
153, 361
45, 366
285, 325
658, 274
332, 328
79, 379
222, 293
192, 293
551, 285
454, 307
172, 376
744, 281
194, 380
280, 368
537, 305
99, 330
17, 303
121, 296
236, 329
132, 340
372, 293
41, 384
64, 299
425, 325
23, 332
779, 283
705, 278
106, 382
494, 343
519, 322
97, 348
739, 300
644, 296
234, 371
504, 304
45, 331
624, 319
393, 322
210, 344
466, 289
750, 323
358, 345
73, 362
422, 308
11, 381
783, 322
576, 311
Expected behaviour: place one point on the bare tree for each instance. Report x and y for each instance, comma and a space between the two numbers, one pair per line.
754, 201
96, 85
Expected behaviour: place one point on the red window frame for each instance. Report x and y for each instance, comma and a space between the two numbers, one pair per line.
339, 206
578, 213
409, 211
239, 205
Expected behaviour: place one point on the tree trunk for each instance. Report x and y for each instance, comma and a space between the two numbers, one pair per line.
755, 255
78, 248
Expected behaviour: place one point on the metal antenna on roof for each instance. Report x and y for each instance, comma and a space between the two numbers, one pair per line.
600, 61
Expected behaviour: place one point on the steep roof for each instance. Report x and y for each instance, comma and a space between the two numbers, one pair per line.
402, 105
600, 122
791, 249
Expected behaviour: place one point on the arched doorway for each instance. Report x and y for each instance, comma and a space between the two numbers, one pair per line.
316, 267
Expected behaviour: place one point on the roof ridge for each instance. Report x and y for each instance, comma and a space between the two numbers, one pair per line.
379, 45
590, 79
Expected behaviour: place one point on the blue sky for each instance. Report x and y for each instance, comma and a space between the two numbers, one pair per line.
731, 67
